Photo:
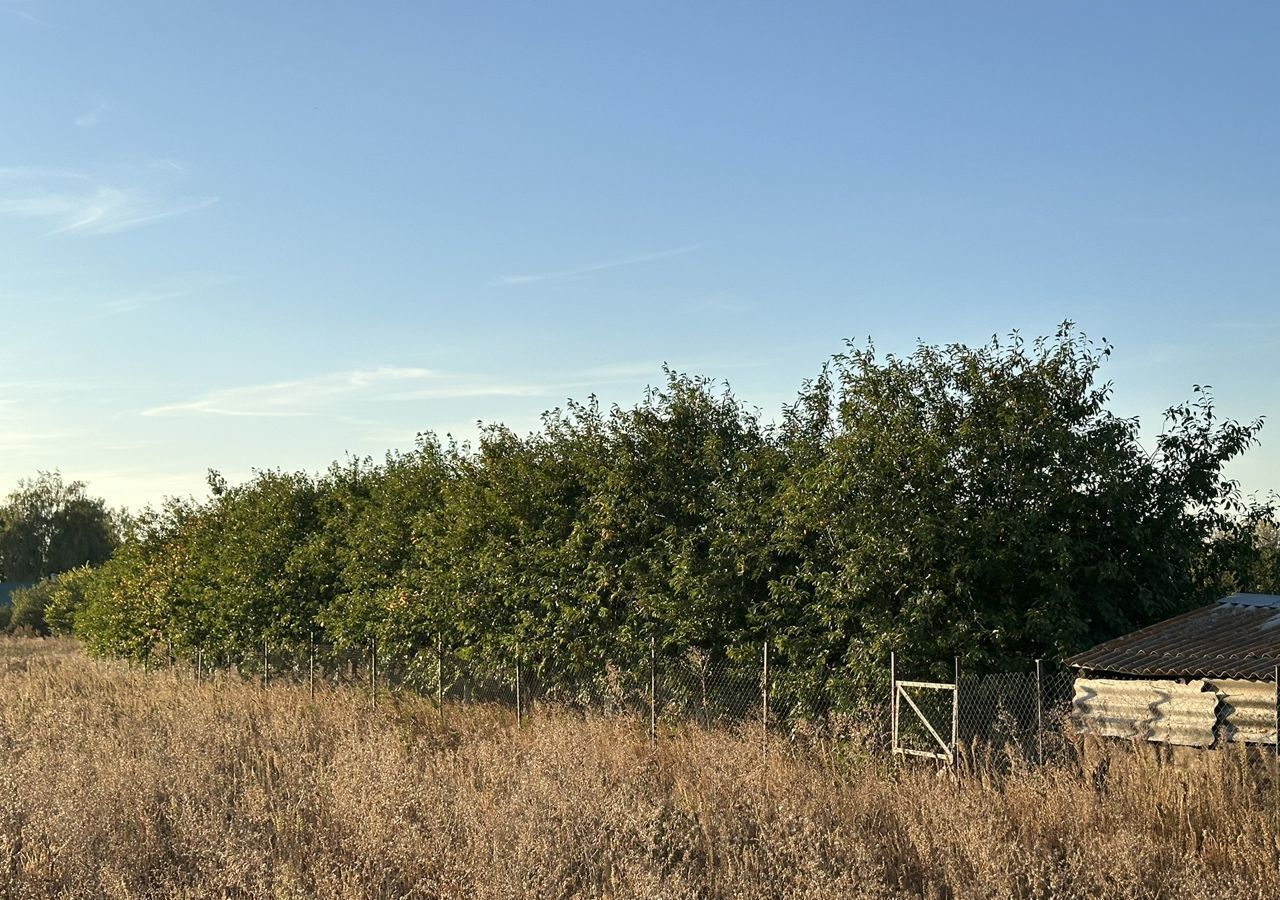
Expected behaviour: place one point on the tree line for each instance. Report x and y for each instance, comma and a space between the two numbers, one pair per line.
981, 500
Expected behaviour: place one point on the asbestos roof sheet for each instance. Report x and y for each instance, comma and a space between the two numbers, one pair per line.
1237, 637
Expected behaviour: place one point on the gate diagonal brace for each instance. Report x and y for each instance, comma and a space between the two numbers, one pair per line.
925, 721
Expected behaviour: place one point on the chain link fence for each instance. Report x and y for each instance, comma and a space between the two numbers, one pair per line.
1022, 713
1011, 713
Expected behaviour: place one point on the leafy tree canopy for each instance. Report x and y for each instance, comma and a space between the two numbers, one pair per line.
48, 526
986, 500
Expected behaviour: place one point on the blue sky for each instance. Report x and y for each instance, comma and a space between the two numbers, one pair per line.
239, 235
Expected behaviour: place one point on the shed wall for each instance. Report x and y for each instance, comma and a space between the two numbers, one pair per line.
1164, 711
1247, 710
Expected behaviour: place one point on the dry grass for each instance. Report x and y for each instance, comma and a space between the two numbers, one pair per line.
121, 784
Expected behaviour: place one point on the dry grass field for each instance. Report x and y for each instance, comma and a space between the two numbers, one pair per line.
117, 783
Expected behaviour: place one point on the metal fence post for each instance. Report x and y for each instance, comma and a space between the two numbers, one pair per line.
955, 715
653, 691
893, 702
373, 672
764, 702
440, 675
1039, 712
311, 663
519, 708
199, 666
266, 664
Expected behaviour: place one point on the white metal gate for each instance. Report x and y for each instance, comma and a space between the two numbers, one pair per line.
938, 747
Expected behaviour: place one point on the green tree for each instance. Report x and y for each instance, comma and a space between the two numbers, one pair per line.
1266, 574
48, 526
373, 529
1251, 553
132, 602
242, 569
684, 546
67, 597
503, 565
29, 604
986, 501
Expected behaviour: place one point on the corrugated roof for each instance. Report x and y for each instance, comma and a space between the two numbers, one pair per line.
1237, 637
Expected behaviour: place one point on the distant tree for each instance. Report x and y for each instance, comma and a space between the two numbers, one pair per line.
29, 604
1267, 543
48, 526
1253, 554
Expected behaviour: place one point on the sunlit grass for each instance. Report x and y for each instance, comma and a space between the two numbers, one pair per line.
120, 783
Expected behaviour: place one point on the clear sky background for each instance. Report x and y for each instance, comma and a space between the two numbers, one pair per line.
238, 235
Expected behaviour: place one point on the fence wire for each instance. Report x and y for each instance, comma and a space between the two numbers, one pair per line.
1019, 712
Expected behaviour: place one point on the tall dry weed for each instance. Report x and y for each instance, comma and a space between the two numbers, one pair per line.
117, 783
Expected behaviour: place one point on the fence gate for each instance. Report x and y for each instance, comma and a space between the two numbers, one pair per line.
928, 723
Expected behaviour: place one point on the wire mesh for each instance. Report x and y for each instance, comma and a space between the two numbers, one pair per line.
1020, 714
713, 691
1023, 714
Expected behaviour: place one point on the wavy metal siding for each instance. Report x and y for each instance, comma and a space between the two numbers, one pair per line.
1247, 710
1163, 711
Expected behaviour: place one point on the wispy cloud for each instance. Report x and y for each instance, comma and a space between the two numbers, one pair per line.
590, 268
137, 301
94, 116
323, 394
21, 9
160, 294
75, 203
